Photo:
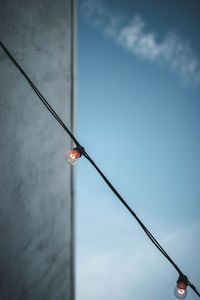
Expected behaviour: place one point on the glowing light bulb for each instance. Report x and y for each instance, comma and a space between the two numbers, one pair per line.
180, 293
74, 154
180, 290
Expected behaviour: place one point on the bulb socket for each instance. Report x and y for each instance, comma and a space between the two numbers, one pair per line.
80, 149
182, 282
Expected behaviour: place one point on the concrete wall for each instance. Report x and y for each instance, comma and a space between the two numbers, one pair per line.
36, 257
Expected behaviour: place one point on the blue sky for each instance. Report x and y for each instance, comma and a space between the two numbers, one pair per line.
138, 108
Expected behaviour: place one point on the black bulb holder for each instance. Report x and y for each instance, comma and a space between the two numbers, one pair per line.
182, 280
80, 149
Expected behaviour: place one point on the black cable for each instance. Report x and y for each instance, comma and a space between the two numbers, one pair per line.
151, 237
48, 106
193, 288
44, 101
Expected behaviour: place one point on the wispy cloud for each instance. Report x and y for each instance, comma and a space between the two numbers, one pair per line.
133, 35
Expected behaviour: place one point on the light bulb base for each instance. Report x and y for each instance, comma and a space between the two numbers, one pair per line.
80, 149
182, 281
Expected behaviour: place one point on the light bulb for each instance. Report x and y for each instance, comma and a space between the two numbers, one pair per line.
72, 156
180, 290
180, 293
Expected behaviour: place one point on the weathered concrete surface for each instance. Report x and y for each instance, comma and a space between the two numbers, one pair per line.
35, 182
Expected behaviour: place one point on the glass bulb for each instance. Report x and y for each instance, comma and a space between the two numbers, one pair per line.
180, 293
72, 156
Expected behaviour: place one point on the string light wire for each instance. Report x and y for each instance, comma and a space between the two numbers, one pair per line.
42, 98
86, 155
